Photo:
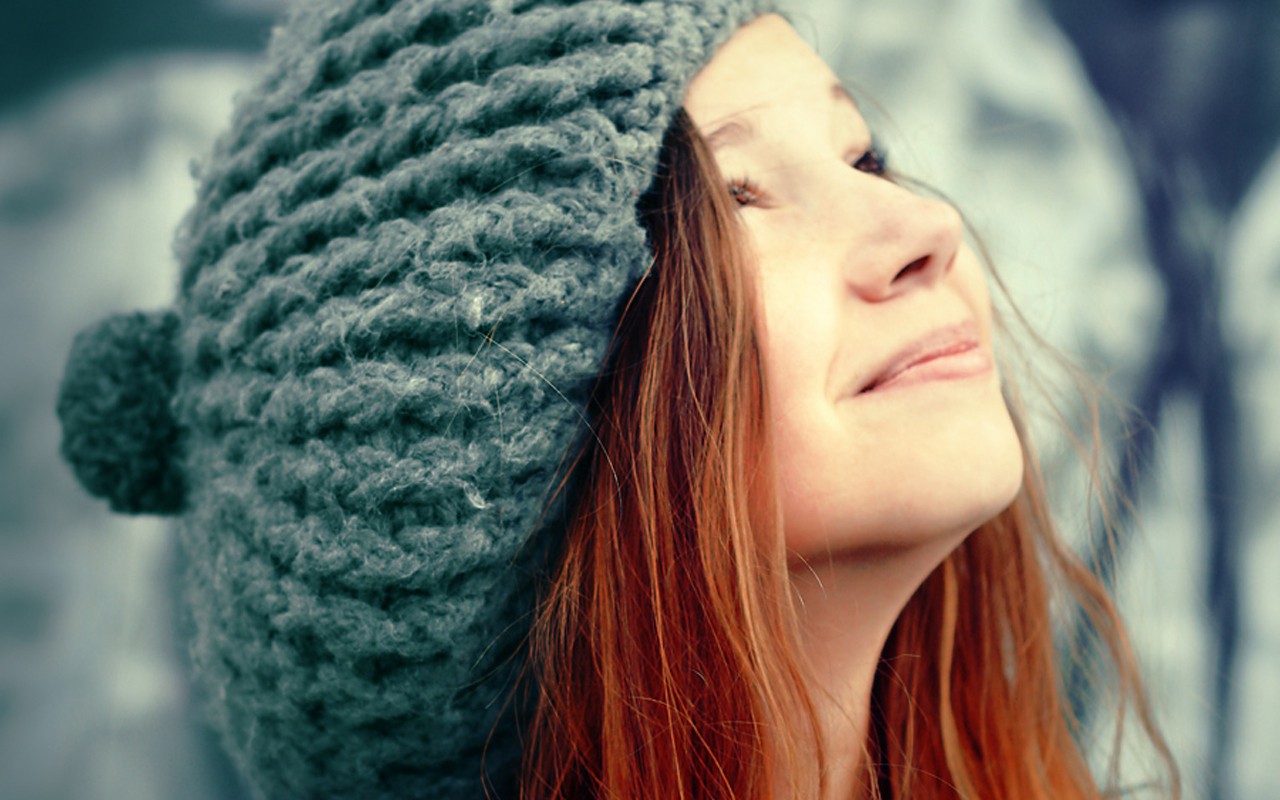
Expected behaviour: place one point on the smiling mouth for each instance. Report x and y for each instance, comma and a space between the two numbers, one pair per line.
948, 354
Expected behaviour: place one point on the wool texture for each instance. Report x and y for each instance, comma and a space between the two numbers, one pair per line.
399, 278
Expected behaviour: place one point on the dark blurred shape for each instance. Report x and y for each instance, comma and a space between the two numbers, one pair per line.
1196, 76
1191, 83
46, 43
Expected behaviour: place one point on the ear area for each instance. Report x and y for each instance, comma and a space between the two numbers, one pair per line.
118, 433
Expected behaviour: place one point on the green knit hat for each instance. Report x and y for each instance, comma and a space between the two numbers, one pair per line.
397, 283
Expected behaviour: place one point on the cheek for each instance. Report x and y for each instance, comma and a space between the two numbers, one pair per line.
797, 327
797, 331
819, 479
937, 466
930, 463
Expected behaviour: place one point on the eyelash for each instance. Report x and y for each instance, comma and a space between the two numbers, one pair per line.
874, 161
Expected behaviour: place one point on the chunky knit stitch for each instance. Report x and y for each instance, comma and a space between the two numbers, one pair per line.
399, 277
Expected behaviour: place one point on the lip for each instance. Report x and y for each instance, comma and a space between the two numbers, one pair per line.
944, 353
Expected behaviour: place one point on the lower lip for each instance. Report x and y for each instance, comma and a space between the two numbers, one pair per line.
956, 366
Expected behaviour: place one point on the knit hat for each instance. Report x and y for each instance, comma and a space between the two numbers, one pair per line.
397, 284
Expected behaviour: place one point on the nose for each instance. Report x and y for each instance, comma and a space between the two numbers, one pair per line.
901, 240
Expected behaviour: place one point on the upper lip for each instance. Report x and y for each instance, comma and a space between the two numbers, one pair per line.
942, 341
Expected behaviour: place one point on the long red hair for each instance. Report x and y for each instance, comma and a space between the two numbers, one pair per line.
664, 662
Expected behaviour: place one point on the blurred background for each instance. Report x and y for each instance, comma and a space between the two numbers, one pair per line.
1121, 160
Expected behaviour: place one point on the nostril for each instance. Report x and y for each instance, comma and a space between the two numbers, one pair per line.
915, 266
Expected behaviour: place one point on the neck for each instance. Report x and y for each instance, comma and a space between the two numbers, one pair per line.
847, 606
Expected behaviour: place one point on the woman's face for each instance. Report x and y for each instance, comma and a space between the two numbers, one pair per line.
886, 409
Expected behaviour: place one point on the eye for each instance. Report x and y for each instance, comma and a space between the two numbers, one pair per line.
744, 191
873, 162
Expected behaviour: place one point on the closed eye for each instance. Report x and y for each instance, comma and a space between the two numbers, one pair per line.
745, 191
873, 162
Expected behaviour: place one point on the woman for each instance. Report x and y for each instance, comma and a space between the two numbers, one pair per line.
797, 549
893, 458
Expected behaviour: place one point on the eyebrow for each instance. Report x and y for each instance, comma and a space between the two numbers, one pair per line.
739, 131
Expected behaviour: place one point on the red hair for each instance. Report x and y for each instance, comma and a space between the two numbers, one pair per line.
664, 658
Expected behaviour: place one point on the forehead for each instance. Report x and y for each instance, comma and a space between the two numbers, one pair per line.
764, 65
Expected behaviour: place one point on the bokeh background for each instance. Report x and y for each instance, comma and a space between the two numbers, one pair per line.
1121, 160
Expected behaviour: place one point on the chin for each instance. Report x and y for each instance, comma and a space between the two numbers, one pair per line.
990, 484
930, 483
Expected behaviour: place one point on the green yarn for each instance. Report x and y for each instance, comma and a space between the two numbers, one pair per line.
118, 433
397, 282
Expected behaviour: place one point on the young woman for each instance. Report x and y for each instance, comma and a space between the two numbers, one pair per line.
585, 361
811, 558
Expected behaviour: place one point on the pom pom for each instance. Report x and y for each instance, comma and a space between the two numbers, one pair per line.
118, 433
